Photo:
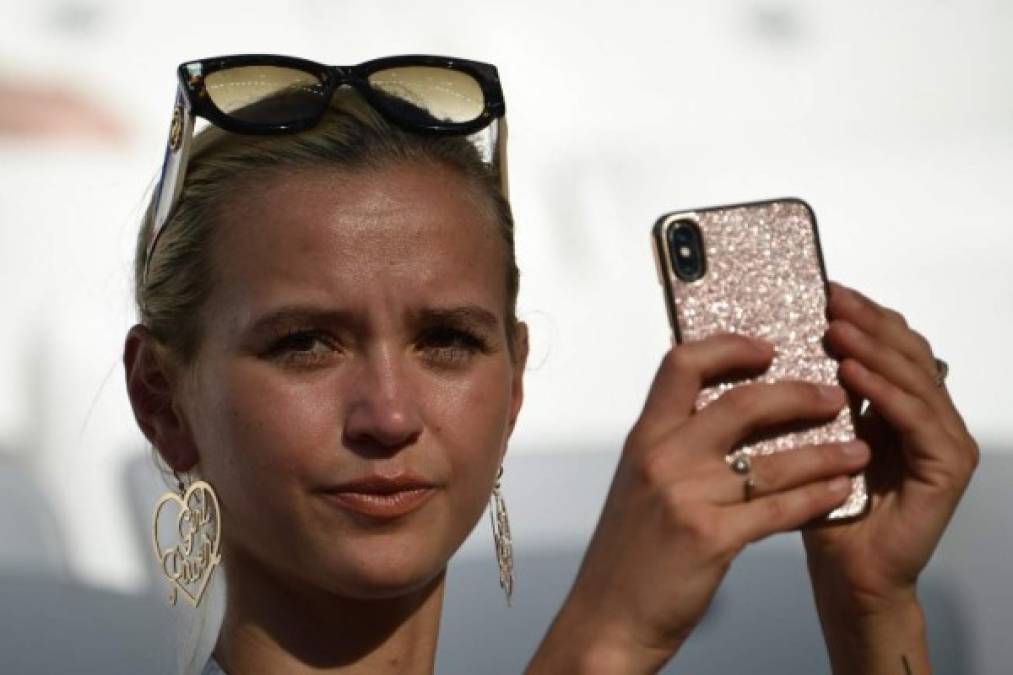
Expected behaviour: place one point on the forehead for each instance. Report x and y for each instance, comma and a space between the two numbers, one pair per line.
417, 233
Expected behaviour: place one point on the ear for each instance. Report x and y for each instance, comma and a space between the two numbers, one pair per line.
152, 388
520, 363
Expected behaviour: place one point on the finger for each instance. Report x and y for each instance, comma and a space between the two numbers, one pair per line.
787, 510
687, 366
849, 341
933, 448
750, 408
780, 471
883, 323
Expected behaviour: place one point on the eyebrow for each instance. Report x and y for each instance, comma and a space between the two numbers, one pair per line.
468, 315
289, 315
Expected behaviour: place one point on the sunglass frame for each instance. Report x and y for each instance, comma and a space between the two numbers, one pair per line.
193, 74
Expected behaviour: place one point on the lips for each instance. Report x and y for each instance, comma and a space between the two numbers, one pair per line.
381, 498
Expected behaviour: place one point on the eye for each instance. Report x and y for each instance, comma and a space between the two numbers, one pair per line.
449, 345
304, 347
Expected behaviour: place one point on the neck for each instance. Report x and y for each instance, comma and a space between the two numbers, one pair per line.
274, 628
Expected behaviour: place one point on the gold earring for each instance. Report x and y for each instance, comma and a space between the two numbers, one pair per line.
501, 537
189, 561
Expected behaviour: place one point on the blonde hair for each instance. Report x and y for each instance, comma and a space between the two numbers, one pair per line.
352, 137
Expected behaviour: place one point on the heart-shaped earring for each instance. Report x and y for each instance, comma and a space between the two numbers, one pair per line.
190, 560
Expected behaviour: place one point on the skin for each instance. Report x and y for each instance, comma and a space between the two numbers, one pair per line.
676, 512
377, 381
865, 573
396, 362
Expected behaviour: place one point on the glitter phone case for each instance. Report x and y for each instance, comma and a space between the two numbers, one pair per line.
761, 273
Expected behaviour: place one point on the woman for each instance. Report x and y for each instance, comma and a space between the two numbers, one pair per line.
328, 342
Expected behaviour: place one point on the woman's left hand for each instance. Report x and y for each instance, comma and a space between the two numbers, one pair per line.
864, 573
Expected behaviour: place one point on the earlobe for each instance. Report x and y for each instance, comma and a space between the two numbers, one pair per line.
149, 380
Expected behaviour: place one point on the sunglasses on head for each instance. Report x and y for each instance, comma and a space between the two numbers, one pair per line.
267, 94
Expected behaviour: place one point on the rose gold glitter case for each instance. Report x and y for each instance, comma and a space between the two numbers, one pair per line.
763, 275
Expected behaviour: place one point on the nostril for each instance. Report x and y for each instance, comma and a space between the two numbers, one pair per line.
372, 445
374, 429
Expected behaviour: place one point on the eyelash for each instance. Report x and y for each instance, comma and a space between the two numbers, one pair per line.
285, 347
443, 346
450, 346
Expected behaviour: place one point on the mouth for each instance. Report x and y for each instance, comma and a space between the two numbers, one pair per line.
381, 498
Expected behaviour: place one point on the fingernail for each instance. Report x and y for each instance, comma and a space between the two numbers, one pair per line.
831, 393
839, 484
854, 449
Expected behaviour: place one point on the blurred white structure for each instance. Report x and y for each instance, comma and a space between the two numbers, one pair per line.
894, 120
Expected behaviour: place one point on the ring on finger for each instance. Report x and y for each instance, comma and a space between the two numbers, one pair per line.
742, 464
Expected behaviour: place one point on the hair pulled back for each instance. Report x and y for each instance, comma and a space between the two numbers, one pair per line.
352, 137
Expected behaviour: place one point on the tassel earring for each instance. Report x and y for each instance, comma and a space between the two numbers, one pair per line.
188, 555
501, 537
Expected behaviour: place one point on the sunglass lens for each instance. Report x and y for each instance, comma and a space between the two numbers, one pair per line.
427, 94
266, 94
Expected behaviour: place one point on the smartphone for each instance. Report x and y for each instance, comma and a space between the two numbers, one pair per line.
757, 269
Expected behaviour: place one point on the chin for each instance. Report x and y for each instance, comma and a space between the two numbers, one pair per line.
383, 574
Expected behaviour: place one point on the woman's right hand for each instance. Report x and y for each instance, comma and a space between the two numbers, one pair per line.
676, 515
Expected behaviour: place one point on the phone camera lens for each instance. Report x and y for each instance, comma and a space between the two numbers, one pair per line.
685, 246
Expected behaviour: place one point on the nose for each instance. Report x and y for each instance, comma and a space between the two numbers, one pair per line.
382, 415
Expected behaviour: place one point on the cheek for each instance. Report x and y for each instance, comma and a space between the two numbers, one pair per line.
267, 429
470, 421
